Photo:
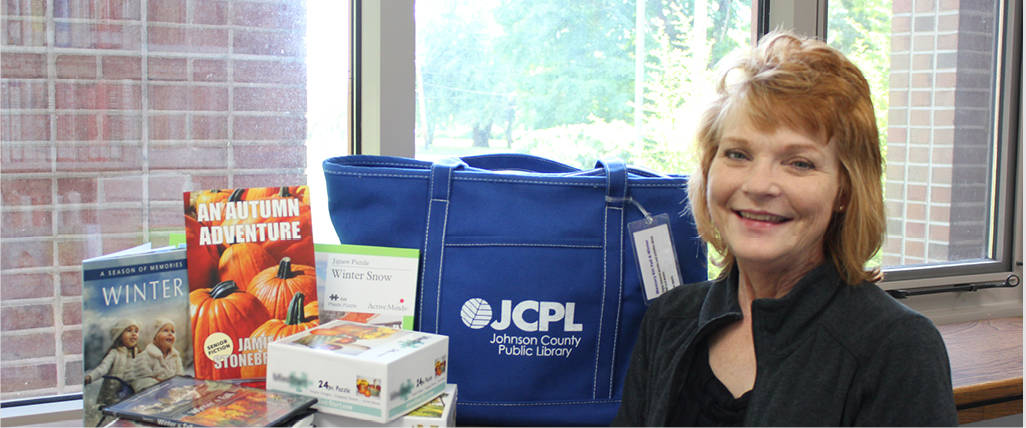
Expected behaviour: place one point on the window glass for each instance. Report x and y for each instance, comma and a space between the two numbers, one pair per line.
328, 79
110, 110
932, 68
571, 81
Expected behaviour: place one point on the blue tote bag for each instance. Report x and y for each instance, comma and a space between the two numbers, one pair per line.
526, 264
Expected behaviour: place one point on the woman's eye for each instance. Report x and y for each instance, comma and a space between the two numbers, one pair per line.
803, 164
734, 154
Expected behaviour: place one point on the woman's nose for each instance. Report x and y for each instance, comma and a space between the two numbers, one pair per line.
762, 180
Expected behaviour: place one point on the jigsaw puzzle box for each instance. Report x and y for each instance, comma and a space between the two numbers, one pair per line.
364, 371
440, 412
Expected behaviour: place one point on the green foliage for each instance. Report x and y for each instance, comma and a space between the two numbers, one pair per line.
572, 60
557, 79
861, 29
582, 144
677, 77
463, 81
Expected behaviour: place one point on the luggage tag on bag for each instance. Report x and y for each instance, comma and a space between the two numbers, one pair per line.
655, 253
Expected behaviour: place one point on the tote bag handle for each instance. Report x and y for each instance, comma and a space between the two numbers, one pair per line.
529, 163
517, 162
440, 193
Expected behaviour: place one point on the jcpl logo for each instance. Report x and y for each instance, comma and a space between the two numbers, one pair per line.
476, 313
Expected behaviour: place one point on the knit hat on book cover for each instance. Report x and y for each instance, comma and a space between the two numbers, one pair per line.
158, 323
119, 327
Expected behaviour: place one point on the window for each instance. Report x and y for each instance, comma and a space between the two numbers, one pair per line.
574, 82
934, 69
945, 77
111, 109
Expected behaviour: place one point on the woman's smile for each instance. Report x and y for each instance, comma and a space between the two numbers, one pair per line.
759, 218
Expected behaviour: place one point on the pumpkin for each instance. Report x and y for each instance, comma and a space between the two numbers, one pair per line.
276, 285
238, 196
301, 251
212, 196
202, 260
242, 262
222, 309
300, 192
312, 311
275, 329
303, 192
263, 193
360, 317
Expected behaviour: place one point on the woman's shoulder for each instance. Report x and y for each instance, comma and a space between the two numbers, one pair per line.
869, 301
867, 318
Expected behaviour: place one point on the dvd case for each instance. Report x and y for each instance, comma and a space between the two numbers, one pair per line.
187, 401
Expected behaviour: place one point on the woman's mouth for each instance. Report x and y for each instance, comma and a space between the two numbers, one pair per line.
763, 217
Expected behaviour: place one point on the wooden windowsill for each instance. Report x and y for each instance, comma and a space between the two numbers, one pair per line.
986, 367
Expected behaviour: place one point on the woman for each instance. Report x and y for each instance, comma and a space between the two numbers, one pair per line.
794, 332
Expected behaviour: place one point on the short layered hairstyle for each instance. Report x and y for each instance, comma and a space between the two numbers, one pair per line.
807, 86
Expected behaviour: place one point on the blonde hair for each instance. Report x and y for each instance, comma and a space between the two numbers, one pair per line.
805, 85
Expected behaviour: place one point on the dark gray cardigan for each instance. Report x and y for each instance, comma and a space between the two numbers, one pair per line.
828, 354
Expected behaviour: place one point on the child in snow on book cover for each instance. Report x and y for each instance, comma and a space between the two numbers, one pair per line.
160, 360
251, 275
114, 369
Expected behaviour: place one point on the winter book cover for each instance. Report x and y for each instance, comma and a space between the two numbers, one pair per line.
135, 324
251, 275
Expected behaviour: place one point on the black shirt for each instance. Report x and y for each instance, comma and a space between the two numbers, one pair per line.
827, 353
704, 400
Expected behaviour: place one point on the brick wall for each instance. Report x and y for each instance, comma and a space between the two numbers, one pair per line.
111, 108
938, 137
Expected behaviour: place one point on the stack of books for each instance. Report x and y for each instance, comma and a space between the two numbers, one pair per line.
189, 334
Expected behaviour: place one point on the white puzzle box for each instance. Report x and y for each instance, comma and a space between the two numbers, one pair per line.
359, 370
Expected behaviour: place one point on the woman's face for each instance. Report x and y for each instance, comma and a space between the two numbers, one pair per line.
130, 337
771, 195
165, 338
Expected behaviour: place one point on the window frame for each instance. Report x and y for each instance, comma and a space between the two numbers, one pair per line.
383, 76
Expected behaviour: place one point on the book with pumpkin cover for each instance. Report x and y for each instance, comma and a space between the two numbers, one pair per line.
186, 401
135, 324
251, 275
